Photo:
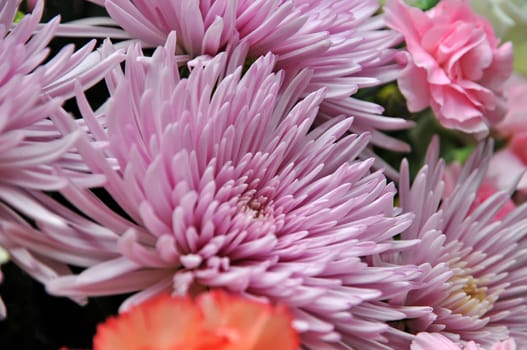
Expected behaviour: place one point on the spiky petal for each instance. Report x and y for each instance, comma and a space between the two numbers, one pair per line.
435, 341
223, 184
31, 92
474, 263
32, 149
344, 43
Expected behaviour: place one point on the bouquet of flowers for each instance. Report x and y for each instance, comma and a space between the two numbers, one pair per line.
264, 174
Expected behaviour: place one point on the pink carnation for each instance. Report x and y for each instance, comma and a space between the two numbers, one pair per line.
508, 164
455, 66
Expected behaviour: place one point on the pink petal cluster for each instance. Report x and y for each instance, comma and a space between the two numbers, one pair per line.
226, 183
455, 65
25, 147
32, 149
343, 44
487, 189
436, 341
30, 94
474, 276
509, 164
249, 173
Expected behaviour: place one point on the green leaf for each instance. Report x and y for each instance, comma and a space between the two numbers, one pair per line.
520, 57
460, 154
425, 4
19, 15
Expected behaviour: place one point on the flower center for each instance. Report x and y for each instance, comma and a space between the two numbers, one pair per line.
472, 290
469, 297
256, 205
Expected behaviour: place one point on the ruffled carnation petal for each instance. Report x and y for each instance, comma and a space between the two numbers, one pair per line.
463, 64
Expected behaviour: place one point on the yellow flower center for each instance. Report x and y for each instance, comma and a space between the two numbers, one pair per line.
470, 297
473, 291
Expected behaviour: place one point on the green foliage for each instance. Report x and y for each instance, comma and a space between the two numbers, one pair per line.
520, 57
455, 145
425, 4
460, 155
19, 15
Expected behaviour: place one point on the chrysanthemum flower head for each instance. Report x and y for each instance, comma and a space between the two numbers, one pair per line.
21, 105
32, 149
474, 262
226, 183
342, 42
30, 93
436, 341
215, 320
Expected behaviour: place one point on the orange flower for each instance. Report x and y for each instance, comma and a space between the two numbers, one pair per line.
215, 320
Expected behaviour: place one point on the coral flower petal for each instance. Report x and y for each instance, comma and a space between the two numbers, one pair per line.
215, 320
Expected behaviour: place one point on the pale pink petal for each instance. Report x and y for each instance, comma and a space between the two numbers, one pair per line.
345, 45
505, 168
433, 341
455, 64
224, 180
471, 254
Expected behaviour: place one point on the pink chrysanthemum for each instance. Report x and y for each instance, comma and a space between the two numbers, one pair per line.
30, 93
342, 42
436, 341
474, 264
31, 147
226, 184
